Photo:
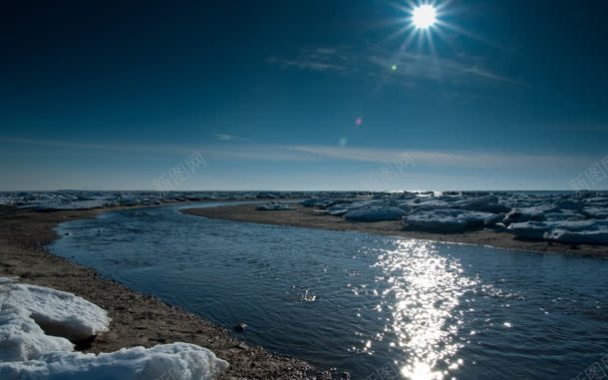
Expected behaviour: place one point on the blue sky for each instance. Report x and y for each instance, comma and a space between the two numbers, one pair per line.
286, 95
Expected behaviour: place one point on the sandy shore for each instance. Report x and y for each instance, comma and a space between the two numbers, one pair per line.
303, 217
137, 320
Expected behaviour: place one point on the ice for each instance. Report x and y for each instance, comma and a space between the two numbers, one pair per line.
21, 338
170, 361
449, 220
374, 214
598, 237
36, 322
534, 213
570, 232
273, 206
426, 210
596, 212
529, 230
58, 313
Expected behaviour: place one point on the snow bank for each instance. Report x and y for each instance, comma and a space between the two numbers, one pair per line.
38, 325
28, 313
374, 214
179, 361
22, 339
58, 313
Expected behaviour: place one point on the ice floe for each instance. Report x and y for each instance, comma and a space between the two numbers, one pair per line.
38, 328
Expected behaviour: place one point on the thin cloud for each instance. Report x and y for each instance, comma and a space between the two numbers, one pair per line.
224, 137
323, 153
404, 68
446, 158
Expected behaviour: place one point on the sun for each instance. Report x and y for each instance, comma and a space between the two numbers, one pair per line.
424, 16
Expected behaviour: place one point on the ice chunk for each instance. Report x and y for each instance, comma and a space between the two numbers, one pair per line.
58, 313
564, 231
273, 206
529, 230
37, 320
449, 220
29, 314
22, 339
488, 203
180, 361
596, 212
578, 237
374, 214
535, 213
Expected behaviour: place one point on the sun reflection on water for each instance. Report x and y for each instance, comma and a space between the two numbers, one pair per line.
423, 291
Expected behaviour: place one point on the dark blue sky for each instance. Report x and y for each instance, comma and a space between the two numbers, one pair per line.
506, 94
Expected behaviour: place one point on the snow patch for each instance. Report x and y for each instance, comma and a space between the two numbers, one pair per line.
38, 325
59, 313
179, 361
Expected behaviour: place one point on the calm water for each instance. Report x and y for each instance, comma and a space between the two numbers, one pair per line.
360, 302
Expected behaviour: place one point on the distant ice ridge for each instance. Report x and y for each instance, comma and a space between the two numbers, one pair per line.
566, 217
38, 326
82, 200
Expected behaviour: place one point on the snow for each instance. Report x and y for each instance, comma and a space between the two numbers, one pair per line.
38, 326
28, 313
534, 213
599, 237
22, 339
528, 230
569, 232
449, 220
61, 313
72, 199
567, 217
180, 361
425, 210
374, 214
273, 206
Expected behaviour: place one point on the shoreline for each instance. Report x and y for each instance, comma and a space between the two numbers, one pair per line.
137, 319
304, 217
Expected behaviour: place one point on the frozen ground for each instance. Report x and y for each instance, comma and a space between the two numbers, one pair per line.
38, 329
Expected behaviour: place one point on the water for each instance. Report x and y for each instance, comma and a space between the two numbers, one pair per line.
359, 302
